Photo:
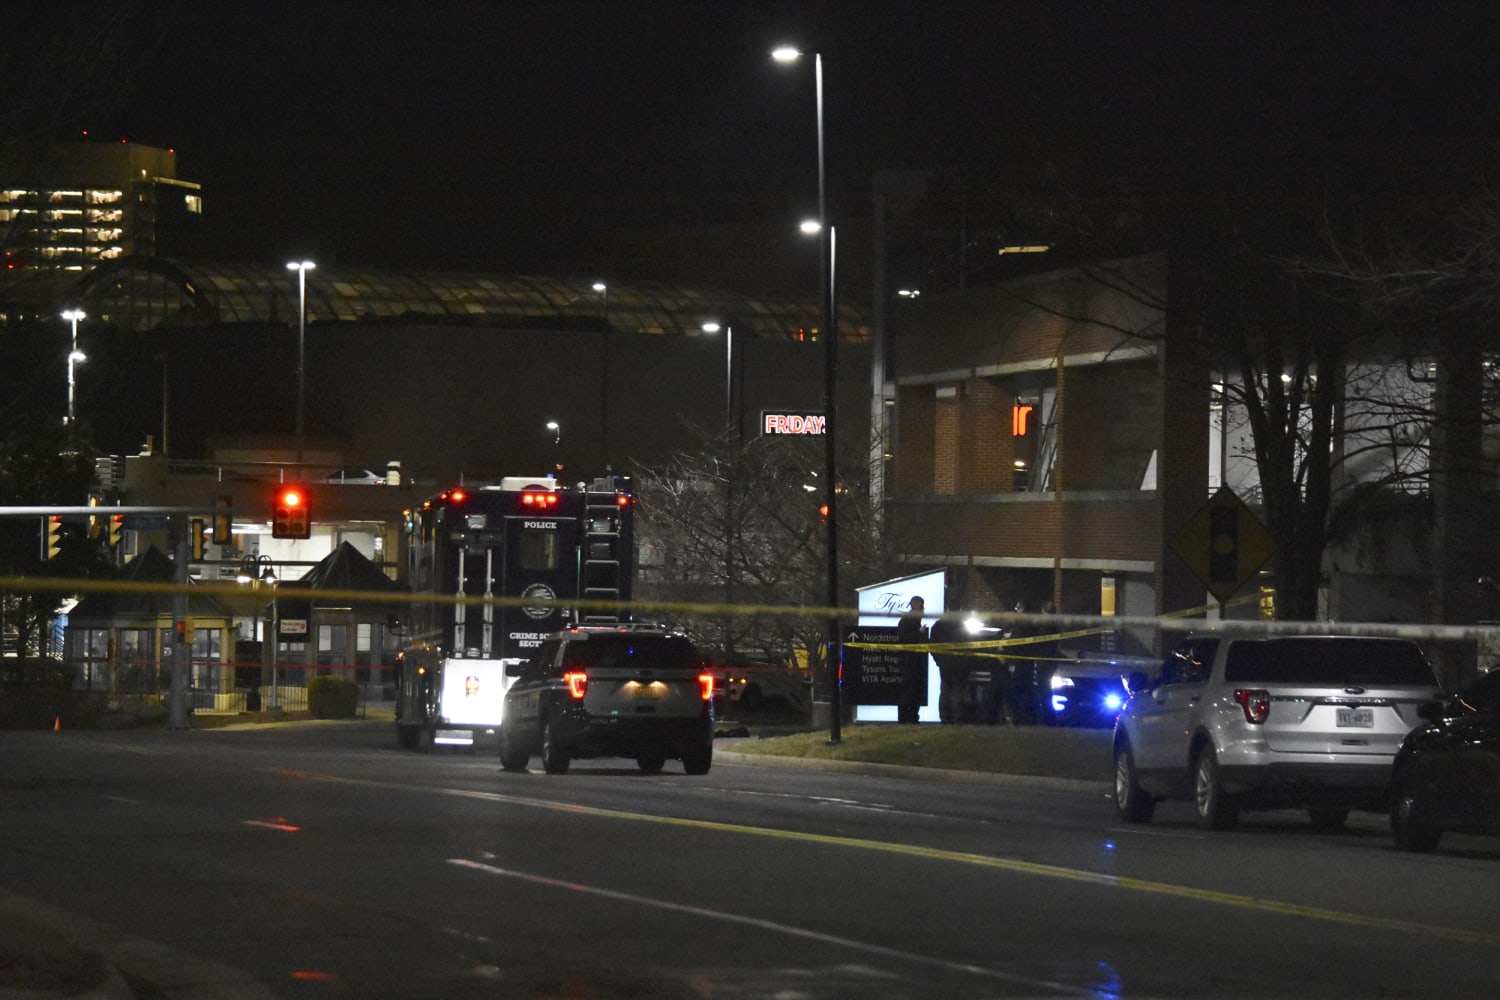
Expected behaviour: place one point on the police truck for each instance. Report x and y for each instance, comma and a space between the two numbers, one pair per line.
493, 570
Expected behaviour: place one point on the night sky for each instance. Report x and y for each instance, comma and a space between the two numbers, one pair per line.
654, 138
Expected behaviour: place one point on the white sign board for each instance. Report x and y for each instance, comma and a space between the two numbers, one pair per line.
883, 604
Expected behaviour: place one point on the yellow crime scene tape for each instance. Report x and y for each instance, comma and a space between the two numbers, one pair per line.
1074, 625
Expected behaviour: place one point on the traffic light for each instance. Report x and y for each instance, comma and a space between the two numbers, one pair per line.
116, 529
53, 542
291, 517
196, 536
223, 522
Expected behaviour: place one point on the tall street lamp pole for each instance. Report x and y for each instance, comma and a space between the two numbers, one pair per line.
556, 429
829, 332
712, 327
603, 290
301, 267
74, 356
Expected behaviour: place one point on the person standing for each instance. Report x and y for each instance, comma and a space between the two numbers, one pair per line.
910, 631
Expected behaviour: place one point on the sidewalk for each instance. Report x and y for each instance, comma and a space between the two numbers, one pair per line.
49, 953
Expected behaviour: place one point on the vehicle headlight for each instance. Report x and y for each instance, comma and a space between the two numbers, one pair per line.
1060, 681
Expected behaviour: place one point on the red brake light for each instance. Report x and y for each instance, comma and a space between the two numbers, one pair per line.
622, 500
577, 682
539, 500
706, 683
1255, 702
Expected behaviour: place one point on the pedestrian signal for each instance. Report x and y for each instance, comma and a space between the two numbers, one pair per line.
291, 517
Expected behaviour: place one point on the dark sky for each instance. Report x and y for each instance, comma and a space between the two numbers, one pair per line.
647, 136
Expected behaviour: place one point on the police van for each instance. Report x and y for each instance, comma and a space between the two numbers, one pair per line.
492, 571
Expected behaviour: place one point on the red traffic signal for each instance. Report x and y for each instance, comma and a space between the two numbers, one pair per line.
291, 516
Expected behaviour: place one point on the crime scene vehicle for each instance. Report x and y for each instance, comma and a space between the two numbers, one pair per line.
475, 560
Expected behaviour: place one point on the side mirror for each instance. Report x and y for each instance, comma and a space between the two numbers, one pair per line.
513, 667
1137, 682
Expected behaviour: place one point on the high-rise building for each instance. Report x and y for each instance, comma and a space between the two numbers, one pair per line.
69, 206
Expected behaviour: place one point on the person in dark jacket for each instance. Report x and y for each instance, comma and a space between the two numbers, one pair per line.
910, 631
953, 668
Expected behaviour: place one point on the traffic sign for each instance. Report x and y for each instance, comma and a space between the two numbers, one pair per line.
1223, 544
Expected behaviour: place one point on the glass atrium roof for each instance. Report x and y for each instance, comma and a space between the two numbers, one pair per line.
143, 293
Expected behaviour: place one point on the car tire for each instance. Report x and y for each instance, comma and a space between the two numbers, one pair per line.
651, 763
1215, 810
555, 757
1409, 834
1328, 819
408, 737
698, 760
1132, 802
511, 757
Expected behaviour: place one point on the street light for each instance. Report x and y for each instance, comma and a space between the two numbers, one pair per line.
789, 54
603, 291
74, 356
301, 267
556, 429
712, 327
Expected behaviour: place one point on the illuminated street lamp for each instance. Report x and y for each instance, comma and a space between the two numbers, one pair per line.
712, 327
603, 290
301, 267
74, 356
556, 429
789, 54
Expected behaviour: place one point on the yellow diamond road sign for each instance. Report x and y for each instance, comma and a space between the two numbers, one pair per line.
1223, 544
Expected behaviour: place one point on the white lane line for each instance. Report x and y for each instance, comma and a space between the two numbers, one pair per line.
773, 927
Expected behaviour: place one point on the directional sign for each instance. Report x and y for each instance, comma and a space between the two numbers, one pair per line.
1223, 544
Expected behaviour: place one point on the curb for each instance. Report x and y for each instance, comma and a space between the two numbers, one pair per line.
66, 955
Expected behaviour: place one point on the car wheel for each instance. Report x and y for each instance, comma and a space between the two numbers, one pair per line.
1215, 810
1409, 834
699, 759
555, 758
651, 763
512, 758
1327, 818
409, 737
1132, 802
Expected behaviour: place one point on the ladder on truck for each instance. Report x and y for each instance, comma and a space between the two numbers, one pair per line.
605, 565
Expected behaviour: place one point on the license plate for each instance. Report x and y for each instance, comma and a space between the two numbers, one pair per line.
1358, 718
653, 692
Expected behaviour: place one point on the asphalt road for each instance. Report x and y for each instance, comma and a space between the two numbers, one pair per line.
322, 862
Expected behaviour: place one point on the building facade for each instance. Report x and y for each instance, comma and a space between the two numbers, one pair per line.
1051, 434
68, 207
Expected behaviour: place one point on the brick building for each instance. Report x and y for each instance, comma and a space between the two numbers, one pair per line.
1050, 435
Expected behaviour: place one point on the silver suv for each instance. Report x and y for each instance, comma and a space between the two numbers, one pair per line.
1310, 722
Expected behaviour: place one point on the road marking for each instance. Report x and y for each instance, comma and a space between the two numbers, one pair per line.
773, 926
1014, 865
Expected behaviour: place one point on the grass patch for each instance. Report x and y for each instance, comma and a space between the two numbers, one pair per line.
1083, 754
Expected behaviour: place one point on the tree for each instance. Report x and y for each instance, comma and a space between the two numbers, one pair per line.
739, 525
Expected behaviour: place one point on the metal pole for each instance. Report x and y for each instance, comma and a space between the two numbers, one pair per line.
301, 358
830, 404
728, 374
177, 715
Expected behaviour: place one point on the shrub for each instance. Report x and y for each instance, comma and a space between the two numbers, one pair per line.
332, 697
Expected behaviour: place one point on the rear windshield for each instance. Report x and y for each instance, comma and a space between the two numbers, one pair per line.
1367, 662
656, 652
